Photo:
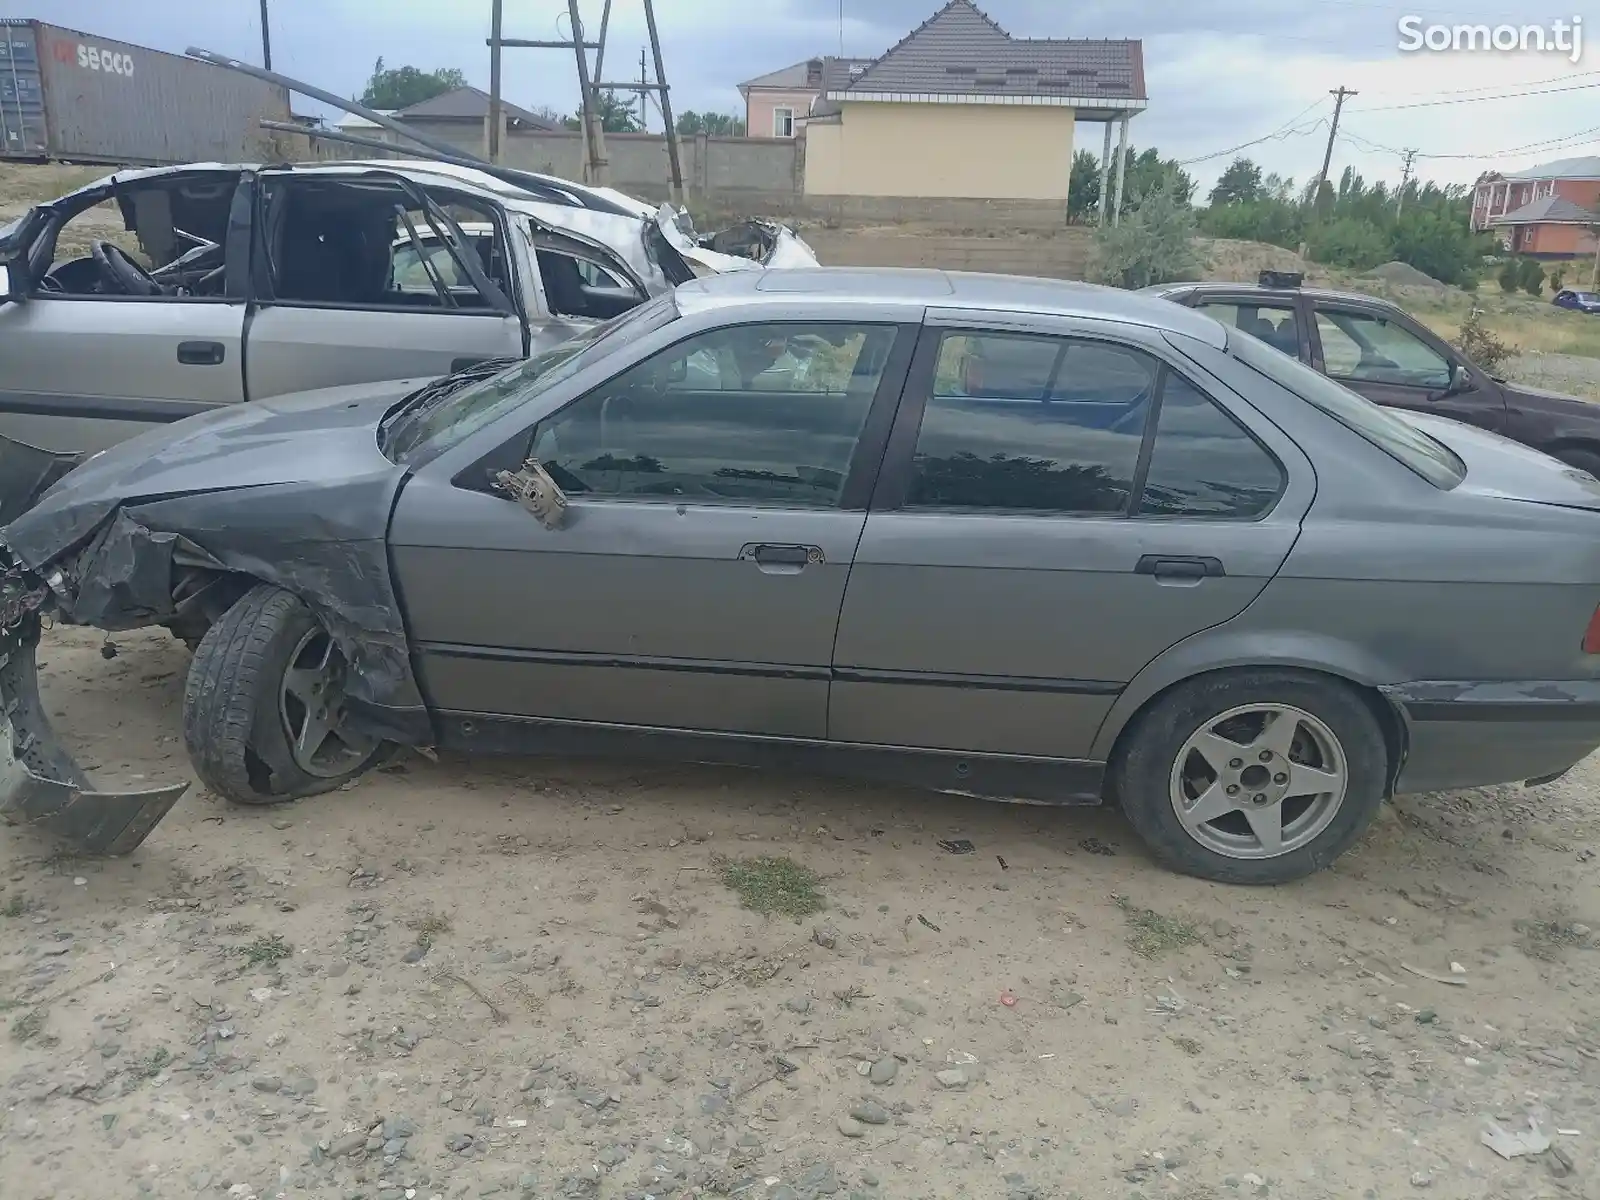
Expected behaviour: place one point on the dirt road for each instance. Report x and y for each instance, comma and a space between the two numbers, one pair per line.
530, 979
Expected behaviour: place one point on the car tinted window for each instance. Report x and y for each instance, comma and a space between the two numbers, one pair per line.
1274, 324
1032, 424
427, 425
1203, 463
1371, 348
748, 414
1397, 438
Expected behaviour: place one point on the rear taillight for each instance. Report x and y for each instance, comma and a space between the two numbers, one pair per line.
1591, 635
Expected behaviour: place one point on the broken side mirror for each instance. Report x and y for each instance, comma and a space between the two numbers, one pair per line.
531, 486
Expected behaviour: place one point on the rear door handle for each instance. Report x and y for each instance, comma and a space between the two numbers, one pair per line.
1179, 566
201, 354
779, 559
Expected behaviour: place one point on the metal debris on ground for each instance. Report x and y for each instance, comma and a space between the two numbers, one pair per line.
1508, 1144
922, 920
957, 846
1433, 975
1004, 866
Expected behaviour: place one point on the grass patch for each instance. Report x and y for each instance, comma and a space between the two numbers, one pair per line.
1151, 934
429, 926
266, 951
1188, 1045
16, 905
774, 885
148, 1066
29, 1025
1551, 934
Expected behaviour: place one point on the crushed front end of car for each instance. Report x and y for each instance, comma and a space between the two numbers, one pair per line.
41, 785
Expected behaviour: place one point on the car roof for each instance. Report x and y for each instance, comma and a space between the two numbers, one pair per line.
952, 290
1255, 289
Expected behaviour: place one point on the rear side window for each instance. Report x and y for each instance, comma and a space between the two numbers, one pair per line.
1399, 439
1064, 426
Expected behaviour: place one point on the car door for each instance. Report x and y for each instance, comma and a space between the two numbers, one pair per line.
1393, 361
346, 290
1058, 505
1276, 320
82, 365
715, 497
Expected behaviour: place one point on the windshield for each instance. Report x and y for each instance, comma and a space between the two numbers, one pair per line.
430, 423
1399, 439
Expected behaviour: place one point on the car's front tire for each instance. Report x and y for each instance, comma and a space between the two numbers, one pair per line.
1252, 776
264, 705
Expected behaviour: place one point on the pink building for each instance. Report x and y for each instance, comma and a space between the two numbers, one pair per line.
776, 104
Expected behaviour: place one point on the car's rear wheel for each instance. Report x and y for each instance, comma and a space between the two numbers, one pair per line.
1252, 777
264, 709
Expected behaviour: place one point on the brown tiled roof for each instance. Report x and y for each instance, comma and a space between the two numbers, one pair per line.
468, 103
1549, 208
961, 51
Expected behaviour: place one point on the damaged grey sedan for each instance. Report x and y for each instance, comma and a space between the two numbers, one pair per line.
1008, 538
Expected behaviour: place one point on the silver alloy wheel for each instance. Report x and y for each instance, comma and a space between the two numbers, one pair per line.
312, 704
1259, 781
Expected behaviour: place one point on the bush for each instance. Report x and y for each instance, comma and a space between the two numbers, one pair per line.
1479, 344
1438, 243
1557, 280
1348, 242
1510, 276
1274, 221
1154, 244
1532, 276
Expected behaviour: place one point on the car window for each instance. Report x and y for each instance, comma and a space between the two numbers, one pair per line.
1374, 349
1398, 438
1032, 424
407, 273
747, 414
1203, 463
1274, 324
160, 240
428, 426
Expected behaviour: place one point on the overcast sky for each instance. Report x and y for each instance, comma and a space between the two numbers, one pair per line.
1219, 72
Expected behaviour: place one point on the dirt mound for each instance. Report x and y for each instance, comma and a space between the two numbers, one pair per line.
1404, 275
1235, 260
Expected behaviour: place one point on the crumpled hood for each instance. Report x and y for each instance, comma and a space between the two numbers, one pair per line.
300, 438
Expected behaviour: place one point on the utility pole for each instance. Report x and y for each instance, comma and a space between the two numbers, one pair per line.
266, 37
674, 153
1340, 95
496, 13
1409, 157
588, 116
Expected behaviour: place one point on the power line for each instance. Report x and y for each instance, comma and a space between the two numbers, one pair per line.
1577, 87
1575, 139
1284, 130
1493, 87
1340, 94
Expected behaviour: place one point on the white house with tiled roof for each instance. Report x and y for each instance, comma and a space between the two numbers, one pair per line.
960, 108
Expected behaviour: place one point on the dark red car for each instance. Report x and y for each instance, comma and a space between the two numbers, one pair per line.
1378, 350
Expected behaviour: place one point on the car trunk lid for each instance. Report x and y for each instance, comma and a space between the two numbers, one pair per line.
1499, 467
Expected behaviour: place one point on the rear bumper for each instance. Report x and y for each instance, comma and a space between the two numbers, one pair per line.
1464, 734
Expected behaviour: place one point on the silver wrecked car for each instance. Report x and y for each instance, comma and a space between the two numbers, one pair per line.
1013, 538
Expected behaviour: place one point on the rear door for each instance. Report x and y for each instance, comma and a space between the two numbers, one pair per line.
344, 295
84, 365
1058, 506
717, 490
1393, 361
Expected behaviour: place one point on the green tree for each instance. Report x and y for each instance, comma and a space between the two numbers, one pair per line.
713, 124
1510, 276
1351, 242
615, 116
1083, 191
1240, 184
401, 87
1532, 276
1146, 173
1153, 244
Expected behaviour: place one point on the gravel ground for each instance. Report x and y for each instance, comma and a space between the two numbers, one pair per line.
1571, 373
528, 978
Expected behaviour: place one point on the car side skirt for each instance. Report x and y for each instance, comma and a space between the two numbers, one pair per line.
1012, 778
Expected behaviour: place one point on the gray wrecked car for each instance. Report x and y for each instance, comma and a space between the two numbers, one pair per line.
1011, 538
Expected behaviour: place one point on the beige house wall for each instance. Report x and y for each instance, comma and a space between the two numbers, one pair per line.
991, 151
758, 106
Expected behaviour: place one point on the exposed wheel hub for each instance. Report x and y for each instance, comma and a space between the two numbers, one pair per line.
312, 705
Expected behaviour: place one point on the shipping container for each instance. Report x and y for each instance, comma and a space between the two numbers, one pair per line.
82, 98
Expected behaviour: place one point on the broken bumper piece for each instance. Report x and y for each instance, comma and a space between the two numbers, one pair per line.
41, 785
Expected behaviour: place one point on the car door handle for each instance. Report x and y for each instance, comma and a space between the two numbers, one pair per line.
778, 559
201, 354
1179, 566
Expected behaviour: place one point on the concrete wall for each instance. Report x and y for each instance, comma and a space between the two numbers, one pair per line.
998, 151
1061, 255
